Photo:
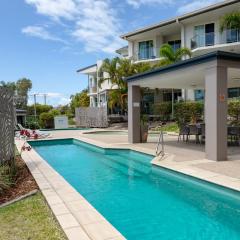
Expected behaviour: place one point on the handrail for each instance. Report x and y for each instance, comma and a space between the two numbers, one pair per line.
160, 143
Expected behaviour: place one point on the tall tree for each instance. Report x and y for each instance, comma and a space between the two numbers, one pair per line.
230, 21
117, 70
80, 100
169, 56
23, 86
8, 85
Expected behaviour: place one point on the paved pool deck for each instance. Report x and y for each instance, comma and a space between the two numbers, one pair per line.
80, 220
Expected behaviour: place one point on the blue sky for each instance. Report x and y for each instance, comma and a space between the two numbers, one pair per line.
48, 40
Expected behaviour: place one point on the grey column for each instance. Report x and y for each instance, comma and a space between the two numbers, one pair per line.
216, 113
134, 97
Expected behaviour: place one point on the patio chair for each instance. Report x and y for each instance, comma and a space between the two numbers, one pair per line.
194, 130
234, 133
183, 131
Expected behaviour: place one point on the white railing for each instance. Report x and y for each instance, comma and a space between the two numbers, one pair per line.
211, 39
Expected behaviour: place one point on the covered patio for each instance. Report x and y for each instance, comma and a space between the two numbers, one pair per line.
214, 72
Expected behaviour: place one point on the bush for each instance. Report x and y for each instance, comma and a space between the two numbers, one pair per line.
47, 119
188, 112
6, 178
234, 111
32, 125
164, 109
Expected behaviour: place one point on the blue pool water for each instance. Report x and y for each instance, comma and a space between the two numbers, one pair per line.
143, 201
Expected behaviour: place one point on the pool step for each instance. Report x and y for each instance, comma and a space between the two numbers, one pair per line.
130, 164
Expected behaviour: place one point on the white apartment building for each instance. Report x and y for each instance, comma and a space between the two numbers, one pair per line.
98, 94
198, 31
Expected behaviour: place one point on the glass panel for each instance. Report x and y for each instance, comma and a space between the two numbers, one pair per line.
199, 32
146, 50
199, 95
209, 31
175, 44
232, 35
233, 92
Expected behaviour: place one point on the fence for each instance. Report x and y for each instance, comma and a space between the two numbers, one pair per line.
91, 117
7, 123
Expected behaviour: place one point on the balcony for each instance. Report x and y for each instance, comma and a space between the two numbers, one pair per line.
92, 90
212, 39
146, 55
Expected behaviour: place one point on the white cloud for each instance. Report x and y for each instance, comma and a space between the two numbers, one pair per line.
138, 3
92, 22
195, 5
55, 8
41, 32
63, 101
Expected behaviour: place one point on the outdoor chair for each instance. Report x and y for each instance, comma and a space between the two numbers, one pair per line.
234, 133
31, 133
183, 131
194, 130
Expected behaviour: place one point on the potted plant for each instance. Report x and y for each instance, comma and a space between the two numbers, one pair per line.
144, 129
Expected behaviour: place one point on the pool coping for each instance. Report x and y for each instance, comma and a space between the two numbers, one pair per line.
77, 217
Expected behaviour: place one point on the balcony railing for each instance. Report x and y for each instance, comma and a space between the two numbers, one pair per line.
93, 89
147, 53
211, 39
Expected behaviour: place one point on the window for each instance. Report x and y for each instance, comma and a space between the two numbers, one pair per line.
234, 92
176, 44
146, 50
204, 35
199, 95
232, 35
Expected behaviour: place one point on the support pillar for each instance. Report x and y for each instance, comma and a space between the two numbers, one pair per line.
134, 97
216, 113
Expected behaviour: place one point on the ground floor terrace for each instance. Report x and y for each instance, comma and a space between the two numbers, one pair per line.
215, 73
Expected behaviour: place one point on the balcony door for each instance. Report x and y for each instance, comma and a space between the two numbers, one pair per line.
199, 35
145, 50
204, 35
209, 34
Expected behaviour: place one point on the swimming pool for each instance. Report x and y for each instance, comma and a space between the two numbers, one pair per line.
143, 201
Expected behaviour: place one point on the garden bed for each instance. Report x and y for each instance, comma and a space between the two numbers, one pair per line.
22, 183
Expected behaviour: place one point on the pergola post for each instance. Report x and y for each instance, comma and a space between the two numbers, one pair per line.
134, 98
216, 113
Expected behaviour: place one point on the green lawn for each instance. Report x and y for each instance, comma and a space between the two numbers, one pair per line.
29, 219
169, 127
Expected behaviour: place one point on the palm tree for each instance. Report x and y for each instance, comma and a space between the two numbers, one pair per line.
170, 56
230, 21
117, 70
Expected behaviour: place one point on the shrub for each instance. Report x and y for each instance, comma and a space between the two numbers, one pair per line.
47, 119
188, 112
234, 111
164, 109
32, 125
6, 178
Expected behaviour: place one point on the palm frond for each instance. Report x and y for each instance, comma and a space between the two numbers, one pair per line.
230, 21
167, 52
182, 52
